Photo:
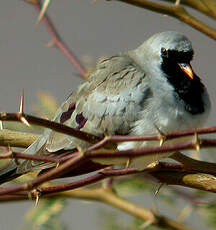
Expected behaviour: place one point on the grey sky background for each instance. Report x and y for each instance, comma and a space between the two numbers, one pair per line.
90, 29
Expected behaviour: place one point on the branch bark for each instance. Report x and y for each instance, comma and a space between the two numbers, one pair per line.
58, 41
176, 11
207, 7
205, 182
16, 139
107, 196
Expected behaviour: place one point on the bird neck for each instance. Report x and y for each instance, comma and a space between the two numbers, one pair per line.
189, 91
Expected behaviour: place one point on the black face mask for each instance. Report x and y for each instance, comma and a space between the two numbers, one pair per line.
189, 90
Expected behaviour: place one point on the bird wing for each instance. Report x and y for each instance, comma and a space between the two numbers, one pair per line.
107, 103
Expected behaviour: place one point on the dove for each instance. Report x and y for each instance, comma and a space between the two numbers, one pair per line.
141, 91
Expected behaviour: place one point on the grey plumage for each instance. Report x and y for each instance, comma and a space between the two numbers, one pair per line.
125, 94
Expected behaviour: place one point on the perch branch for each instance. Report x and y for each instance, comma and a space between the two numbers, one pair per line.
205, 182
34, 157
108, 197
87, 136
50, 124
53, 173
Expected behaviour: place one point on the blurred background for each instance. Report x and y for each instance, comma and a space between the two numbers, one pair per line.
92, 29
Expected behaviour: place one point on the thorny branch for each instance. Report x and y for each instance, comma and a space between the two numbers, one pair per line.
57, 41
190, 173
94, 152
16, 139
49, 124
108, 197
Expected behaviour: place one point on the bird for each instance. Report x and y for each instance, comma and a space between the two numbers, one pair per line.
140, 91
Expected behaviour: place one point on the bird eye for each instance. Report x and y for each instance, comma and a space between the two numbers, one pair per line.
164, 51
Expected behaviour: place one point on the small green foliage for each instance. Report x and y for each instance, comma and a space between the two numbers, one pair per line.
139, 184
110, 221
46, 215
113, 221
209, 211
130, 185
46, 105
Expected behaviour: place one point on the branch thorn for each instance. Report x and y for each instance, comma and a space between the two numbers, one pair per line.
177, 3
37, 197
51, 44
80, 150
197, 142
35, 193
146, 224
158, 189
161, 136
21, 109
127, 165
24, 121
1, 125
43, 10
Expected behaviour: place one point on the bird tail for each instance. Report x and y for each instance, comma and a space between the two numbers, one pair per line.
8, 173
13, 170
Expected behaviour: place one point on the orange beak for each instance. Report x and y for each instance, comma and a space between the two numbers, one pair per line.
187, 69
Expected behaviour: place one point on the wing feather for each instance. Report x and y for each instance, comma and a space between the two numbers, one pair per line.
104, 104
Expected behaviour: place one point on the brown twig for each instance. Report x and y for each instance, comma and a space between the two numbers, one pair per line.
16, 155
16, 139
176, 11
166, 148
189, 165
98, 143
58, 41
151, 137
205, 182
165, 175
177, 175
195, 165
207, 7
53, 173
108, 197
50, 124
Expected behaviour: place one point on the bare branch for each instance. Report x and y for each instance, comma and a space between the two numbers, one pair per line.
207, 7
34, 157
53, 173
58, 41
16, 139
176, 11
108, 197
50, 124
195, 165
205, 182
166, 148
